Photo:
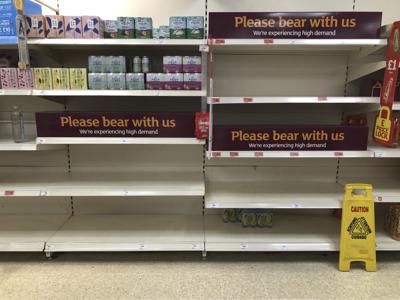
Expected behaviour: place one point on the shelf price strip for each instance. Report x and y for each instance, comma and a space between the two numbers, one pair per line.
384, 129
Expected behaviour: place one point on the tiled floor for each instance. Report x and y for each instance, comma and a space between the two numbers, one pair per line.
187, 276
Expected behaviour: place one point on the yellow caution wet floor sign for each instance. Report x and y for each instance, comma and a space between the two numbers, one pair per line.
357, 236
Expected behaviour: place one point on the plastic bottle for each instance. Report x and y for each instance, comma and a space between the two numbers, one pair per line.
146, 64
17, 123
137, 64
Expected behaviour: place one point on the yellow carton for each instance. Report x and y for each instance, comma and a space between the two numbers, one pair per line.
78, 79
43, 78
60, 78
357, 236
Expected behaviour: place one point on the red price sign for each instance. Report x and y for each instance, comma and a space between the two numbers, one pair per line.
384, 131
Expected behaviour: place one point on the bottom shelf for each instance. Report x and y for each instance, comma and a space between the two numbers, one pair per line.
129, 233
289, 233
28, 233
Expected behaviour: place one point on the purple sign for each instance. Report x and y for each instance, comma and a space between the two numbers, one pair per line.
294, 25
289, 138
115, 124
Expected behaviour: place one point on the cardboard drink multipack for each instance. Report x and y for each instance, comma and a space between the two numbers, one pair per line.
195, 27
26, 79
55, 27
110, 29
60, 78
126, 27
143, 28
155, 81
43, 78
135, 81
73, 27
8, 78
173, 81
92, 27
97, 64
35, 26
78, 78
116, 81
192, 81
172, 64
115, 64
98, 81
177, 27
191, 64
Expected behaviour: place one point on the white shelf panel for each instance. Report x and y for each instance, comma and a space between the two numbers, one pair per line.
28, 232
384, 152
102, 184
116, 42
114, 93
292, 100
265, 45
288, 154
9, 145
129, 233
270, 194
289, 233
117, 141
385, 191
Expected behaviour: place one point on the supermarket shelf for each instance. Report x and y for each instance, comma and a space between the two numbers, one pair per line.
292, 100
299, 45
384, 190
9, 145
129, 233
28, 232
117, 141
102, 184
384, 152
271, 194
288, 154
95, 43
130, 93
289, 233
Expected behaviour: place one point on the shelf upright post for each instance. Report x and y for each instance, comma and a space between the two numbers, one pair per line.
211, 94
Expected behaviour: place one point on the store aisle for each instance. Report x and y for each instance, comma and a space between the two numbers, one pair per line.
186, 276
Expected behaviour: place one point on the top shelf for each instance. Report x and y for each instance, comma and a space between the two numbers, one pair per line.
337, 46
92, 43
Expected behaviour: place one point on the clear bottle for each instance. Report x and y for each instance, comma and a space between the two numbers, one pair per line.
146, 64
137, 64
17, 123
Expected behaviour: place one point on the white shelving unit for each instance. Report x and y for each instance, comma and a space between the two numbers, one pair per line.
28, 233
163, 194
115, 93
65, 43
118, 141
129, 233
102, 184
289, 233
9, 145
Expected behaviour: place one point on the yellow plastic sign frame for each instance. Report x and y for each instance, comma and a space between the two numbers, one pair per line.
357, 236
19, 4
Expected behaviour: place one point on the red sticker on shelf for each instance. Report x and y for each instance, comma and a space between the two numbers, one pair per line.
247, 100
268, 41
8, 193
294, 154
215, 100
338, 154
233, 154
258, 154
322, 98
219, 42
216, 154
